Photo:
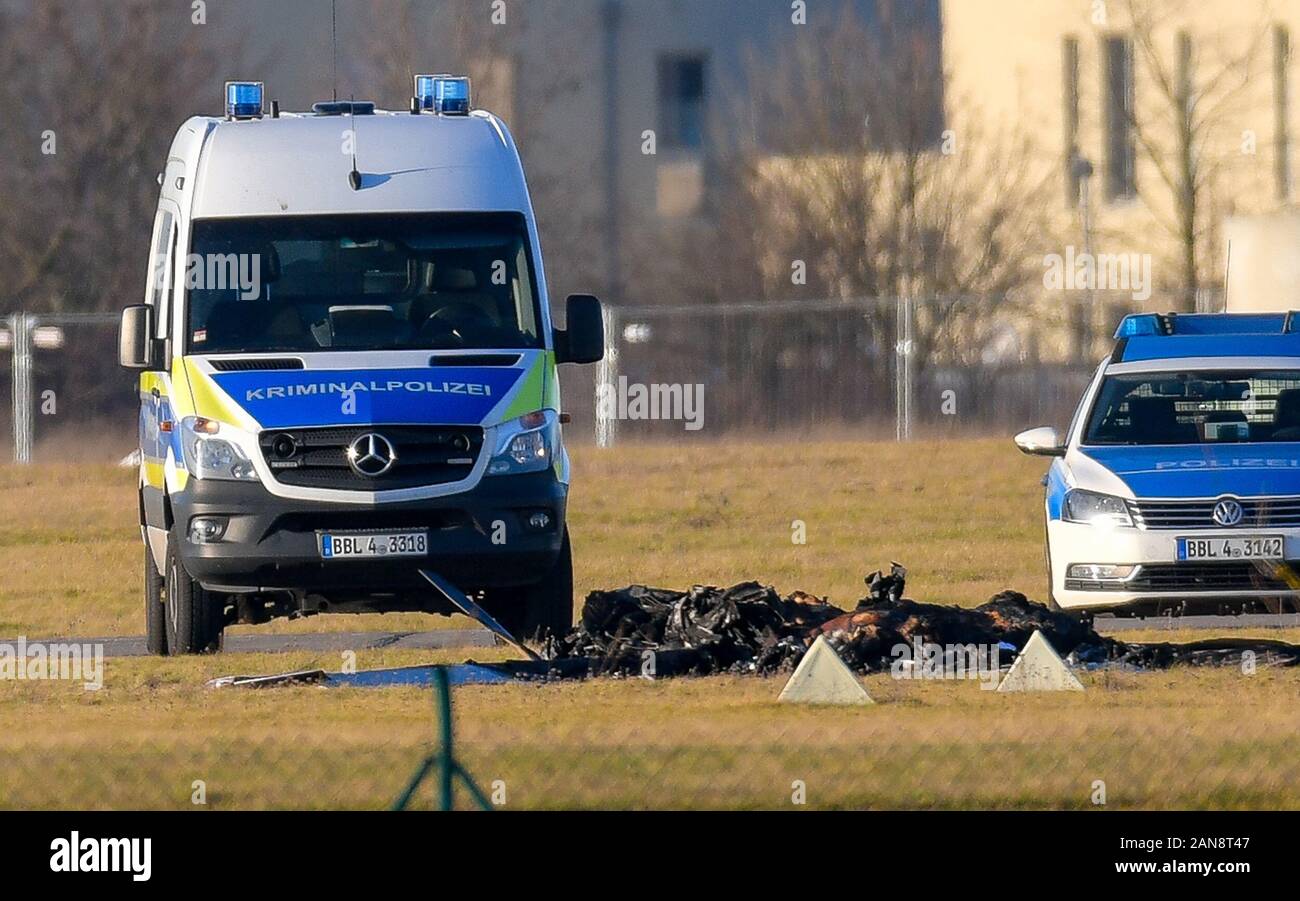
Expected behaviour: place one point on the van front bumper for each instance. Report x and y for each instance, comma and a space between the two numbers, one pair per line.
480, 539
1158, 580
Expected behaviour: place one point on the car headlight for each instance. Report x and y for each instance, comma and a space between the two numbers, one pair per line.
526, 444
210, 457
1096, 509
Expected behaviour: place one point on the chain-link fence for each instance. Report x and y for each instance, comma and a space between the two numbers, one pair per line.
69, 400
880, 368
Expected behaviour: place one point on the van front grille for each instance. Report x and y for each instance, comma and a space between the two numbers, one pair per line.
423, 456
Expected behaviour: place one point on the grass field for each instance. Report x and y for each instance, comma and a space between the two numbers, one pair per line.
965, 518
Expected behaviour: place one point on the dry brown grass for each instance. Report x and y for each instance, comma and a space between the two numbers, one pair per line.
1181, 739
965, 517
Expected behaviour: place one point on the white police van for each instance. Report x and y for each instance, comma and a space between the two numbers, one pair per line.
1177, 486
348, 371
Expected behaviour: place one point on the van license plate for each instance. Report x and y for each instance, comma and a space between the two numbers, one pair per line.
371, 545
1247, 547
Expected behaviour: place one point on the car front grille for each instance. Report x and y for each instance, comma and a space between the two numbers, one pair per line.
1200, 577
425, 456
1263, 512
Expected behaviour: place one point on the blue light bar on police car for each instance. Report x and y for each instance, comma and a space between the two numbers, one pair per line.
1145, 325
244, 99
1141, 324
448, 95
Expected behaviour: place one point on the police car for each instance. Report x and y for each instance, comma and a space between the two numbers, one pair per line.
348, 371
1177, 486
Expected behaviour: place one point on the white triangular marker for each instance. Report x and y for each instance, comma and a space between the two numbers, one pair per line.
823, 678
1039, 668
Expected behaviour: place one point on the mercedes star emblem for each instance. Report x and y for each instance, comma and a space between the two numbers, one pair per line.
371, 455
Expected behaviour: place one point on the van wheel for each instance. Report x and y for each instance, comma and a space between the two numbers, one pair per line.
546, 609
194, 617
155, 614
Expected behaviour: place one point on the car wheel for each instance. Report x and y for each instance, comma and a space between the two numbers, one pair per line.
546, 609
155, 613
194, 617
1047, 556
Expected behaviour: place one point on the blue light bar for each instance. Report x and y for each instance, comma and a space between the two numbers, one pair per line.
1184, 324
451, 96
424, 90
1139, 325
448, 95
244, 99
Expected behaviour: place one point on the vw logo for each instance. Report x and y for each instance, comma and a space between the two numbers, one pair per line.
1228, 513
371, 455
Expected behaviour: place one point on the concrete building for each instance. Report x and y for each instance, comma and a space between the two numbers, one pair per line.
583, 84
1153, 121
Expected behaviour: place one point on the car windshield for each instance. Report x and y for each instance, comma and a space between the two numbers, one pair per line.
390, 282
1196, 408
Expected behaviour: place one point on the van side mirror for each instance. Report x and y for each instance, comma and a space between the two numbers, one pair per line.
1041, 442
583, 338
135, 344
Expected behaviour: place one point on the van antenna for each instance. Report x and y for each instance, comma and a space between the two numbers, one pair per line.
354, 177
334, 46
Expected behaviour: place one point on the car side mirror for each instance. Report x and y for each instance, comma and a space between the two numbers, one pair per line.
1041, 442
582, 340
135, 344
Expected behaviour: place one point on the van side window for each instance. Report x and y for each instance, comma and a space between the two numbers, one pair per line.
169, 282
160, 270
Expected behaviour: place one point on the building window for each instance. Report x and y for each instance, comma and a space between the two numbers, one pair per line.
1281, 107
1070, 59
682, 94
1119, 103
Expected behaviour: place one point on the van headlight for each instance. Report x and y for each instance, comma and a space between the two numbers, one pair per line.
1096, 509
208, 456
526, 444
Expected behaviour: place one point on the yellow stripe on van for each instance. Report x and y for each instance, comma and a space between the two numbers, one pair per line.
528, 397
211, 402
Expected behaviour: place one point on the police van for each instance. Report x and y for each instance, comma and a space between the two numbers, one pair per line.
348, 371
1177, 486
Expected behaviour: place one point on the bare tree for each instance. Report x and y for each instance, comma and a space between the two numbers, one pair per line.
1183, 123
849, 170
92, 95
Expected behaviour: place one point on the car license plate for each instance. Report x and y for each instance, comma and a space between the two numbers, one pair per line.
1246, 547
371, 545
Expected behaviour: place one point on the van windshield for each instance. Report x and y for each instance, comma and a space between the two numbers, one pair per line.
1196, 408
372, 282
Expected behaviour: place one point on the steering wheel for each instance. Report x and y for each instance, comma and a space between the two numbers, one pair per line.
437, 331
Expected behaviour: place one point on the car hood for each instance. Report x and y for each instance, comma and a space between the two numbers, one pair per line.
1192, 471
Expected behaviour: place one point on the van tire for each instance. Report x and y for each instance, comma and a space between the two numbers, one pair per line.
534, 613
155, 613
195, 619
